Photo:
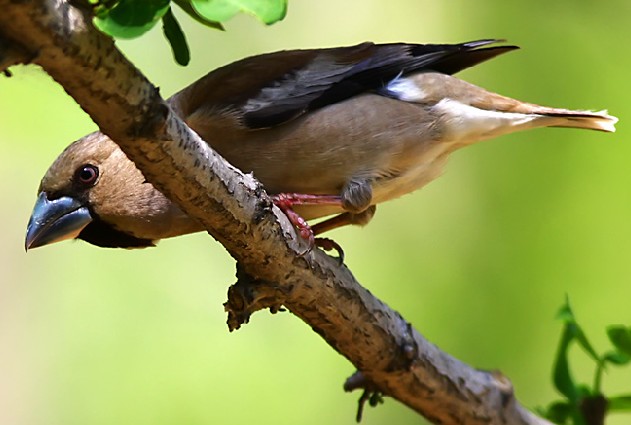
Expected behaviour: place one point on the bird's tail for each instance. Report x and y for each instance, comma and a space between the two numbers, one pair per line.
553, 117
523, 115
471, 113
542, 116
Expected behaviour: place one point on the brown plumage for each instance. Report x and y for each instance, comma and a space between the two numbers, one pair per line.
354, 126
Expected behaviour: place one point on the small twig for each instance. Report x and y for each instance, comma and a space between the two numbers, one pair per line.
594, 409
371, 393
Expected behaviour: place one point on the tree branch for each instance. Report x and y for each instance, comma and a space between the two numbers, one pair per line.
392, 357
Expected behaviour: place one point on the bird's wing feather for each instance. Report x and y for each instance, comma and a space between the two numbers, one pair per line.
268, 90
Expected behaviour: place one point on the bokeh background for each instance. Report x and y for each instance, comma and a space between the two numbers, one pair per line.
479, 261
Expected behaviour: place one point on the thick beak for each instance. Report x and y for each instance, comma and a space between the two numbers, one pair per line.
56, 220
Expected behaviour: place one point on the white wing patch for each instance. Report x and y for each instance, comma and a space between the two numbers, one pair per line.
404, 89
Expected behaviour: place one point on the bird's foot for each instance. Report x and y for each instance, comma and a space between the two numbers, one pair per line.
286, 202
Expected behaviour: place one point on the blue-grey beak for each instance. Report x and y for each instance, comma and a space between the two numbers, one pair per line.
56, 220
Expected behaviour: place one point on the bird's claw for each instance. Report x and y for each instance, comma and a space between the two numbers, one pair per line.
286, 201
325, 244
328, 245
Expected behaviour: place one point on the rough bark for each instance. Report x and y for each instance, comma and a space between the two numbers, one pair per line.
273, 268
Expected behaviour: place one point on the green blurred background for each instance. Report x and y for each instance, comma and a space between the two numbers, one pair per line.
479, 261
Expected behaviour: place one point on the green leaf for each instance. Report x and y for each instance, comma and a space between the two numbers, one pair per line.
268, 11
130, 18
565, 313
619, 403
617, 358
583, 342
558, 412
567, 316
561, 376
620, 337
187, 7
583, 391
173, 33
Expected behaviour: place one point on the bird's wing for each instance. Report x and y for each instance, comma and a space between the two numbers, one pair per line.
268, 90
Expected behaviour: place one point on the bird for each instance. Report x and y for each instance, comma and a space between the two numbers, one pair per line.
330, 133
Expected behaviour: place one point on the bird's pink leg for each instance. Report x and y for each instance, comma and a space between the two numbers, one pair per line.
291, 199
286, 202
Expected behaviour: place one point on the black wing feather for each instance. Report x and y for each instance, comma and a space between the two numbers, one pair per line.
339, 74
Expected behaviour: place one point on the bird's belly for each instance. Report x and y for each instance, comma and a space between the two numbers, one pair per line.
428, 167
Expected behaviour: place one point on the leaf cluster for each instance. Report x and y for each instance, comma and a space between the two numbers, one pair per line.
583, 404
132, 18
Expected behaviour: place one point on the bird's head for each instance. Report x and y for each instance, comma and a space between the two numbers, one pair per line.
95, 193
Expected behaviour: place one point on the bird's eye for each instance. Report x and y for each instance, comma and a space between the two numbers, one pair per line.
87, 175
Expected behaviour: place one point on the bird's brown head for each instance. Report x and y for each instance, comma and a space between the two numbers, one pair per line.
95, 193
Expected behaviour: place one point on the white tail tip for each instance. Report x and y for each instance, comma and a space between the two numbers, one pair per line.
605, 122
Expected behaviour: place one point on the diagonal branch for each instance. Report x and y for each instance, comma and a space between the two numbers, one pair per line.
392, 357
